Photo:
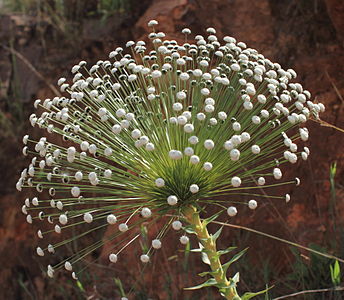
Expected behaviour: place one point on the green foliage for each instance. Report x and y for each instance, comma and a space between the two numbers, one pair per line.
209, 282
80, 286
233, 259
335, 273
310, 274
119, 284
67, 16
250, 295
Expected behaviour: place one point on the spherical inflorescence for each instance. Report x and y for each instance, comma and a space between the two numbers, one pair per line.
157, 130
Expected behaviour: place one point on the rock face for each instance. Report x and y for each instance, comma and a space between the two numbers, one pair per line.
305, 35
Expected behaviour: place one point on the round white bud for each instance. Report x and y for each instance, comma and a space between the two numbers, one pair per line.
236, 181
40, 251
222, 115
234, 154
175, 154
172, 200
188, 151
135, 134
177, 225
261, 181
209, 144
75, 191
144, 258
193, 140
107, 173
159, 182
63, 219
68, 266
181, 120
120, 113
201, 116
209, 108
232, 211
78, 176
236, 126
194, 159
194, 188
188, 128
123, 227
277, 173
207, 166
146, 212
181, 95
150, 147
88, 218
177, 106
184, 239
252, 204
111, 219
156, 244
287, 198
255, 149
113, 258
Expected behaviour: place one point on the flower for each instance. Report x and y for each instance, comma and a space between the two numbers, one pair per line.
148, 134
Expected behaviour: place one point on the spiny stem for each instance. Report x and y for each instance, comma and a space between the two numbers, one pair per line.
192, 216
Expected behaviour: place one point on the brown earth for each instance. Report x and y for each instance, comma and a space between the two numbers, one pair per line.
307, 35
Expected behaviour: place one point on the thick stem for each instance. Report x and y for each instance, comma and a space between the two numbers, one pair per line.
191, 215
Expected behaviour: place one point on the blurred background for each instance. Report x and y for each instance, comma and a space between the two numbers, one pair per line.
40, 40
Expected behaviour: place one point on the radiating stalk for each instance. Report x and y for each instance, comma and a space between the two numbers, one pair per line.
200, 229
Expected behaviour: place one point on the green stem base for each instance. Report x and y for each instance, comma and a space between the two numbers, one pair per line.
192, 216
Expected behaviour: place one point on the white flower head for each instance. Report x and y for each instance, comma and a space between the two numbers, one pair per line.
156, 130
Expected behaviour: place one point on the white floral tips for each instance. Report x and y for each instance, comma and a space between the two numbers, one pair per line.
175, 154
123, 227
207, 166
184, 239
194, 159
29, 219
252, 204
232, 211
261, 181
152, 23
68, 266
63, 219
194, 188
255, 149
209, 144
146, 212
297, 181
144, 258
111, 219
277, 173
177, 225
156, 244
50, 271
287, 198
159, 182
75, 191
40, 251
172, 200
113, 258
88, 218
236, 181
188, 128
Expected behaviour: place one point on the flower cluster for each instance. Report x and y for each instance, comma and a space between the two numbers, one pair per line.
147, 134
